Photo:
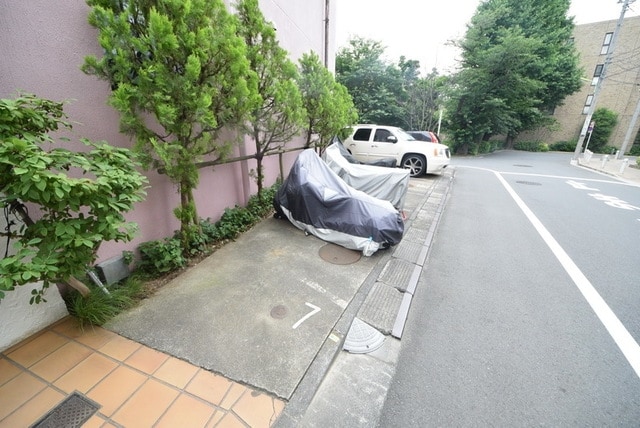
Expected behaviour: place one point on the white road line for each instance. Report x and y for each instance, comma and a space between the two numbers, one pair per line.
616, 329
563, 177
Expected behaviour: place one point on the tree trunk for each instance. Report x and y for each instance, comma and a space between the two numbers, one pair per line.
260, 178
78, 285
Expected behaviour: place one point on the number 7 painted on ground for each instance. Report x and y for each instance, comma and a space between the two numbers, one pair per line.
314, 310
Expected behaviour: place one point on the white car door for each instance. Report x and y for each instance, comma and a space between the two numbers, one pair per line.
384, 145
360, 143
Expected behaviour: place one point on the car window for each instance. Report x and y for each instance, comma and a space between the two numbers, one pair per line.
381, 135
420, 136
362, 134
404, 135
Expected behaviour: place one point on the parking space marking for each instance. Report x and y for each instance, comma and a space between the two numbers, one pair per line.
314, 310
619, 333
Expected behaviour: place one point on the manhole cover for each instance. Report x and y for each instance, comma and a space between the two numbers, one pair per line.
278, 312
338, 255
74, 411
362, 338
529, 183
523, 166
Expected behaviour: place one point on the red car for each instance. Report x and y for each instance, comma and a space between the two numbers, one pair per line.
424, 136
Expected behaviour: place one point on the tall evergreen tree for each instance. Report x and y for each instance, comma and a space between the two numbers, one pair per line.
179, 74
279, 116
517, 64
328, 103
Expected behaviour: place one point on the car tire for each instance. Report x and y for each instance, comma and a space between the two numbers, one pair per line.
417, 164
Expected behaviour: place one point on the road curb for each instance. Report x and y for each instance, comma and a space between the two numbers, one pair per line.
295, 409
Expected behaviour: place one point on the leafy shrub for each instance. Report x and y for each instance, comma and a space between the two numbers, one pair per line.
604, 150
531, 146
563, 146
605, 121
635, 150
161, 256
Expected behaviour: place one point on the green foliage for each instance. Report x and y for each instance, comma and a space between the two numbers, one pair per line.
279, 115
98, 307
517, 64
81, 196
179, 73
375, 85
605, 121
635, 150
423, 102
563, 146
531, 146
328, 103
161, 256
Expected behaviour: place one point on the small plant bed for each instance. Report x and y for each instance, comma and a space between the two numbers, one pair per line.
163, 260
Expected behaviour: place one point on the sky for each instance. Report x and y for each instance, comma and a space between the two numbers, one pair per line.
421, 29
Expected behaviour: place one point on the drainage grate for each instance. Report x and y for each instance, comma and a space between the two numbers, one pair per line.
523, 166
73, 412
338, 255
529, 183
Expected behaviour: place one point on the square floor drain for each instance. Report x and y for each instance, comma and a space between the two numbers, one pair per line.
74, 411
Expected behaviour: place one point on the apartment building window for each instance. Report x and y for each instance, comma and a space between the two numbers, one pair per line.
606, 43
587, 104
596, 74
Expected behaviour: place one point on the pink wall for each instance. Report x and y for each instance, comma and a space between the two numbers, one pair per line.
43, 45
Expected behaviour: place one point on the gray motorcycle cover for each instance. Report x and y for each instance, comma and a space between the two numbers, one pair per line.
319, 202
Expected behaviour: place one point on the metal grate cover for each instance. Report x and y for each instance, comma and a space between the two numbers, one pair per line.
73, 412
529, 183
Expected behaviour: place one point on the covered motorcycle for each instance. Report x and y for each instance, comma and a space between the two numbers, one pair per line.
316, 200
390, 184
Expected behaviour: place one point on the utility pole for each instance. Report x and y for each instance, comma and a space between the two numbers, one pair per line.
596, 91
629, 134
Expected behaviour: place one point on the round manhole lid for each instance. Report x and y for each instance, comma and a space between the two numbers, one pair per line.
338, 255
279, 312
362, 338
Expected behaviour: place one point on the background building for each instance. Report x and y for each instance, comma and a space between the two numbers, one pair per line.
621, 88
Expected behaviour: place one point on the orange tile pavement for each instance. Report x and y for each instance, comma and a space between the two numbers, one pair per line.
134, 385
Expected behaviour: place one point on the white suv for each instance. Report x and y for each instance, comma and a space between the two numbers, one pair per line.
372, 142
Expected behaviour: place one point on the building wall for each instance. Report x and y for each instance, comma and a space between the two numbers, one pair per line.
621, 88
43, 45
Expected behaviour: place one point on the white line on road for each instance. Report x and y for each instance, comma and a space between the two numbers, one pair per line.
616, 329
563, 177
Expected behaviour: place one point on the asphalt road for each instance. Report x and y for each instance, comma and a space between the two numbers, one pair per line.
527, 313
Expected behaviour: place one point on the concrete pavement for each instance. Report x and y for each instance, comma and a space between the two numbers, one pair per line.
624, 169
274, 308
263, 309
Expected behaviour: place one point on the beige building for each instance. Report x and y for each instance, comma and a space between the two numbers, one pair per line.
620, 90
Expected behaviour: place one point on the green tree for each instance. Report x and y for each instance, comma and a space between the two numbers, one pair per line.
80, 197
375, 85
279, 116
517, 64
605, 120
424, 101
179, 73
328, 103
